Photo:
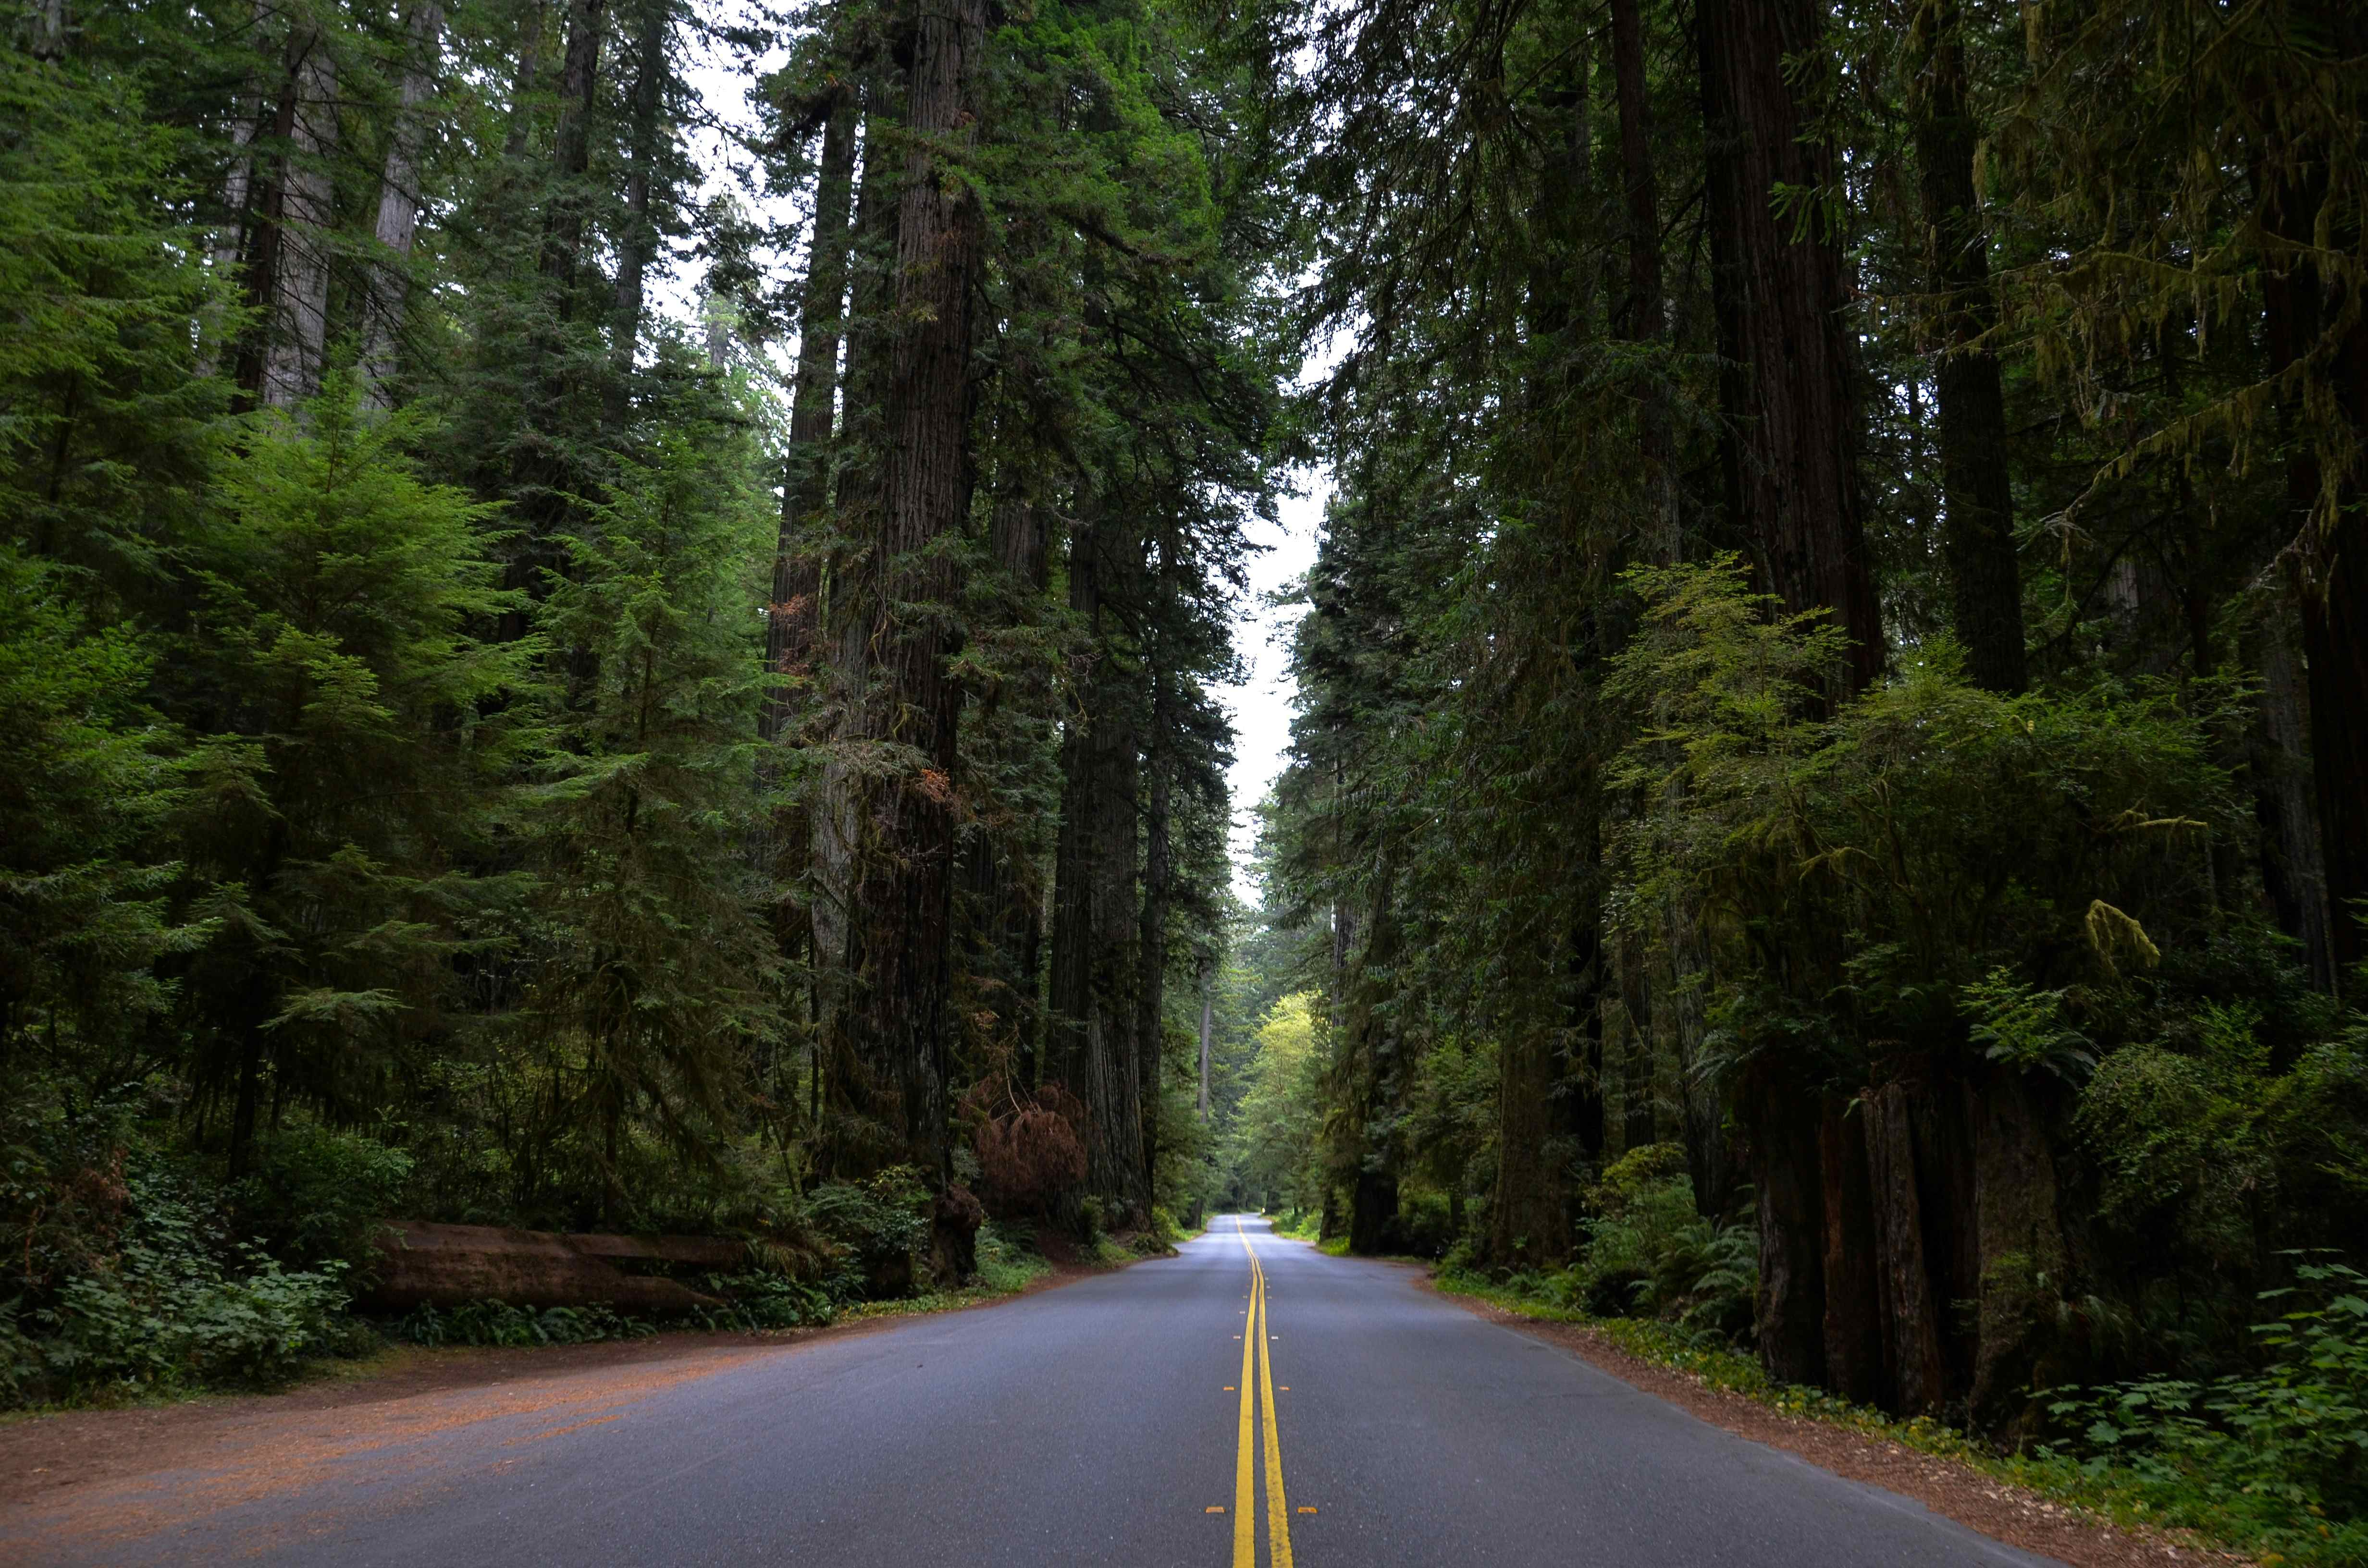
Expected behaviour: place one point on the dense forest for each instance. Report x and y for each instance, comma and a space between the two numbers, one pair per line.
576, 657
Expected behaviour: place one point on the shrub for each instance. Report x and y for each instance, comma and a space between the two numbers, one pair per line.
880, 1225
172, 1307
2283, 1448
317, 1195
499, 1323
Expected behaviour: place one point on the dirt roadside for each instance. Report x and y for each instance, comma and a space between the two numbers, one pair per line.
1958, 1492
65, 1461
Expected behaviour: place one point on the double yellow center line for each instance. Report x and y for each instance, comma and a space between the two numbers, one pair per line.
1278, 1512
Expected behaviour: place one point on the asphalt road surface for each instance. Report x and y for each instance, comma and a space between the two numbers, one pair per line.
1251, 1404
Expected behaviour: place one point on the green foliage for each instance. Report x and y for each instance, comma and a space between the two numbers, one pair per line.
317, 1195
172, 1306
1647, 1252
90, 777
1275, 1127
499, 1323
2023, 1026
107, 429
880, 1224
2278, 1455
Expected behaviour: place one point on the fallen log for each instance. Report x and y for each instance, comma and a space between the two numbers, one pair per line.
423, 1264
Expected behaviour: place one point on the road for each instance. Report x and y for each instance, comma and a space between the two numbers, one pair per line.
1251, 1402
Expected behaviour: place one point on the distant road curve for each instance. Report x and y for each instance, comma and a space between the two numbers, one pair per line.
1251, 1404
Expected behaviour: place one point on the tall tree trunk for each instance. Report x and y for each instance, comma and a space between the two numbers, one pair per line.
1853, 1322
1158, 878
1788, 383
2330, 554
398, 207
570, 154
2283, 805
639, 239
1787, 392
1787, 1181
1208, 969
905, 869
1642, 314
1985, 580
2020, 1241
1912, 1371
844, 628
296, 348
522, 83
1090, 1048
791, 625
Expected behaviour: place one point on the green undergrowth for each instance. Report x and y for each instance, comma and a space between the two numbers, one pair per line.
1007, 1264
1304, 1227
2135, 1464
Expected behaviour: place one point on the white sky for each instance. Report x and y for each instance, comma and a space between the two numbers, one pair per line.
1261, 704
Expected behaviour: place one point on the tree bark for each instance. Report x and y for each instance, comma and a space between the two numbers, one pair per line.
2020, 1244
1158, 880
639, 239
1787, 1181
1854, 1328
1978, 496
296, 348
2291, 873
791, 621
398, 208
571, 155
1643, 314
1528, 1221
899, 1014
1089, 1047
1912, 1371
1787, 384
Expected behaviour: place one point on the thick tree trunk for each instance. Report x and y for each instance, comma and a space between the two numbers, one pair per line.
1528, 1221
1787, 391
2283, 803
1912, 1371
398, 208
1090, 1048
570, 202
638, 239
2020, 1240
1158, 891
899, 1014
296, 348
1788, 380
792, 624
1786, 1178
1984, 575
843, 629
1853, 1322
1643, 314
2335, 646
2330, 556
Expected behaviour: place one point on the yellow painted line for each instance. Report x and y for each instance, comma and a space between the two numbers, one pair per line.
1278, 1510
1257, 1395
1244, 1498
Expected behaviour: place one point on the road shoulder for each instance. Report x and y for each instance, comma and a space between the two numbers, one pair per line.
47, 1456
1985, 1504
